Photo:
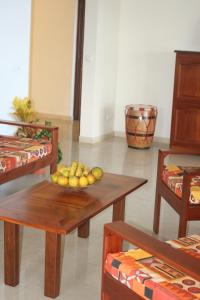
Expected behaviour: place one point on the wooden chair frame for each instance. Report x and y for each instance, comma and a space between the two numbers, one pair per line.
114, 235
50, 159
186, 211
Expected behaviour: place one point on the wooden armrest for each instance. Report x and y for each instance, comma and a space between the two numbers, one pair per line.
165, 152
162, 154
115, 233
22, 124
192, 172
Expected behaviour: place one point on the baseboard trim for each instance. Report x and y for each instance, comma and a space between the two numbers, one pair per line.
156, 139
94, 140
161, 140
120, 134
52, 116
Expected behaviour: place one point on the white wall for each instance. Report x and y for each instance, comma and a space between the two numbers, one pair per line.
14, 52
149, 33
99, 68
143, 36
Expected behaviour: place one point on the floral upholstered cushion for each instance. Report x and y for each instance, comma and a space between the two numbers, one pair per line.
16, 152
151, 277
173, 177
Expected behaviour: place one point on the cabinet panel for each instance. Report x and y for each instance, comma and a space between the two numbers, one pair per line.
188, 81
185, 132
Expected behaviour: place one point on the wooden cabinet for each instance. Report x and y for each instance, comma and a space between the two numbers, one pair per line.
185, 125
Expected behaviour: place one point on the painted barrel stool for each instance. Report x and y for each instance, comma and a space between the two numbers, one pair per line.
140, 125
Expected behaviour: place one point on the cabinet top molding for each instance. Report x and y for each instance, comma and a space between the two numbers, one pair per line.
187, 52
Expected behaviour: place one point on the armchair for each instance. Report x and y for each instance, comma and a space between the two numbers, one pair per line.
180, 187
169, 271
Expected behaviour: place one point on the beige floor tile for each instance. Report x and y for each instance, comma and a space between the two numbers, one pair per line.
81, 265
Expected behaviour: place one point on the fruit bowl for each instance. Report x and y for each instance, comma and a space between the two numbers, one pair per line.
77, 176
74, 189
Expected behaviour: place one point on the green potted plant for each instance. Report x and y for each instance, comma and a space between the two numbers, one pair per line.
24, 112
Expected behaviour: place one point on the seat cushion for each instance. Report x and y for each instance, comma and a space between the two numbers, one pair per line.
173, 177
16, 152
151, 277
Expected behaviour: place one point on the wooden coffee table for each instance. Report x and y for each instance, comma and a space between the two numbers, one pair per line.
58, 210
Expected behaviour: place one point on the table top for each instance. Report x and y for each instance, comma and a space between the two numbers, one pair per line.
54, 208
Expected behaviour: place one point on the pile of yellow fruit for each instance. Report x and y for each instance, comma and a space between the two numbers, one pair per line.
76, 175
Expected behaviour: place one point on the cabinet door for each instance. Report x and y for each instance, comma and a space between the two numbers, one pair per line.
185, 127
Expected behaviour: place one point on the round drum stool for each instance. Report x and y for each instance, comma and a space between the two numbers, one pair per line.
140, 125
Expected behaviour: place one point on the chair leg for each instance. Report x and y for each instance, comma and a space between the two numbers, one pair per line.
104, 296
156, 221
53, 167
182, 227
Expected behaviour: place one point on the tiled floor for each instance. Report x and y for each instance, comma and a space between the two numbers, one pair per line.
81, 267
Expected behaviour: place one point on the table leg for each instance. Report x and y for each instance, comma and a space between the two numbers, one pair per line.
52, 264
119, 210
84, 230
11, 254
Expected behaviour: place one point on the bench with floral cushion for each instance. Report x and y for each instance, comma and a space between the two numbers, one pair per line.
152, 269
21, 156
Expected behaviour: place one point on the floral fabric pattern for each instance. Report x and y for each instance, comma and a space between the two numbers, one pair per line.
173, 177
152, 278
16, 152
